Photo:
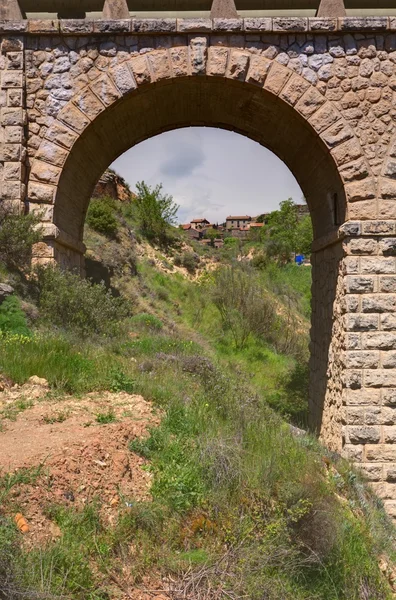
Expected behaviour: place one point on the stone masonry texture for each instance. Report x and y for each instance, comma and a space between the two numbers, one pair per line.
319, 92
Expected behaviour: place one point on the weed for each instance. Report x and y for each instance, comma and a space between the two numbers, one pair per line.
119, 382
105, 418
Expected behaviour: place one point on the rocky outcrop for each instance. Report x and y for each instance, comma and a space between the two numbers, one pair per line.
113, 186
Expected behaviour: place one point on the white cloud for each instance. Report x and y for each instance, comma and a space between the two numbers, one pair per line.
211, 172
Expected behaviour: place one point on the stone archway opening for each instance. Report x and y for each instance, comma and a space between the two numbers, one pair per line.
261, 116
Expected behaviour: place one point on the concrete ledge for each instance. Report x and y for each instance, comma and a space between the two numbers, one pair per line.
52, 232
199, 25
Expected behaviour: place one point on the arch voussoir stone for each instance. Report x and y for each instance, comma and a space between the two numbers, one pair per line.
300, 94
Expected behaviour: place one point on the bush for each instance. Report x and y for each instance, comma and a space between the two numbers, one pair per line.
12, 318
101, 218
146, 321
18, 234
188, 260
244, 308
155, 212
69, 302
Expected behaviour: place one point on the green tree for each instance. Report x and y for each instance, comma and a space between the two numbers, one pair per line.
18, 234
101, 216
286, 233
211, 234
155, 212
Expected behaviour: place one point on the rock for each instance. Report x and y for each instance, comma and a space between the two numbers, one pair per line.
5, 290
40, 381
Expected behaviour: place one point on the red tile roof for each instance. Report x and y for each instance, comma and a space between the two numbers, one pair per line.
244, 218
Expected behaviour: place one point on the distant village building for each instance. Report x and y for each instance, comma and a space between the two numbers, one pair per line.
237, 222
199, 223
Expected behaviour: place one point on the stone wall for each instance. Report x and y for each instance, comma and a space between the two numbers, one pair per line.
318, 92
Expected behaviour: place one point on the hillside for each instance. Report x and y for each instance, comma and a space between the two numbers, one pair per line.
152, 433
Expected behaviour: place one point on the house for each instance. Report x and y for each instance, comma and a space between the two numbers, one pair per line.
256, 225
199, 223
236, 222
218, 243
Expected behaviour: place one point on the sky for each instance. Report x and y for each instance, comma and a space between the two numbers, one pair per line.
210, 173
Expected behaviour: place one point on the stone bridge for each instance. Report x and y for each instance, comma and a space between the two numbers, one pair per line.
319, 92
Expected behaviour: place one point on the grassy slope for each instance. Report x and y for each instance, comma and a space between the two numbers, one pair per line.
255, 511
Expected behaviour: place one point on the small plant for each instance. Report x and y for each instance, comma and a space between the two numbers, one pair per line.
69, 302
18, 234
12, 317
188, 260
121, 382
101, 216
105, 418
147, 321
58, 418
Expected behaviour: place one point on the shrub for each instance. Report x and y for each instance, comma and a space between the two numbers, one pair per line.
155, 212
188, 260
244, 308
101, 218
12, 318
18, 234
69, 302
146, 321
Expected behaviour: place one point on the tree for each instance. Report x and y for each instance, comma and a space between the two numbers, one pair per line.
155, 211
287, 234
18, 234
211, 234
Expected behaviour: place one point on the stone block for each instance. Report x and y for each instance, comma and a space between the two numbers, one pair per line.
351, 265
141, 71
375, 227
380, 452
326, 116
357, 169
364, 397
238, 65
258, 70
388, 322
388, 246
51, 153
294, 89
381, 340
7, 26
105, 90
387, 209
12, 117
347, 152
354, 415
362, 359
276, 78
387, 284
389, 398
217, 61
372, 472
388, 188
324, 24
362, 246
385, 490
154, 26
356, 434
43, 26
310, 102
377, 264
11, 79
360, 190
160, 65
13, 134
76, 26
388, 411
74, 118
353, 452
352, 341
45, 173
363, 23
389, 360
115, 26
289, 24
260, 24
61, 135
123, 78
379, 303
38, 192
198, 55
366, 210
180, 61
351, 228
13, 171
227, 25
360, 285
194, 25
361, 322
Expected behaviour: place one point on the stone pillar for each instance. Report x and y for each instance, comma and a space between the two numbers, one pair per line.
115, 9
331, 8
11, 10
59, 248
369, 378
13, 121
223, 9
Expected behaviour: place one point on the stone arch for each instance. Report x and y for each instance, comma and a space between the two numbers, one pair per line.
219, 86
